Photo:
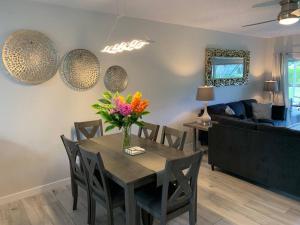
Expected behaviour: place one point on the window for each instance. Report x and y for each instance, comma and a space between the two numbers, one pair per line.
294, 81
227, 67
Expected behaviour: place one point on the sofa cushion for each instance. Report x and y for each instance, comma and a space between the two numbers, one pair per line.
237, 123
262, 111
216, 117
238, 108
248, 107
263, 121
217, 109
282, 131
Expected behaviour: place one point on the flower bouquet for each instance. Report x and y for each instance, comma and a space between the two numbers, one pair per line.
122, 112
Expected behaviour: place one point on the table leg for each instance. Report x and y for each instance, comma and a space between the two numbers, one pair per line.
195, 139
130, 205
196, 205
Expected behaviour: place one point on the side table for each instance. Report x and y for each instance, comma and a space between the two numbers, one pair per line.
279, 112
196, 127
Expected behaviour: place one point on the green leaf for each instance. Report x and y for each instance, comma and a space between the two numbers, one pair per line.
110, 128
145, 113
105, 115
129, 99
97, 106
104, 101
107, 95
116, 94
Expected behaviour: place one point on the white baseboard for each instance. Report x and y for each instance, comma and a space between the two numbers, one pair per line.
33, 191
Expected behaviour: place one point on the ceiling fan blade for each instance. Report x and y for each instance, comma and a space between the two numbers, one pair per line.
266, 4
254, 24
296, 12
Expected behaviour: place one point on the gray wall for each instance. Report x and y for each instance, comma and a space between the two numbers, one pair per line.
167, 72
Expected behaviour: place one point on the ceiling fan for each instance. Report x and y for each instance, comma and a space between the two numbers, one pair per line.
289, 14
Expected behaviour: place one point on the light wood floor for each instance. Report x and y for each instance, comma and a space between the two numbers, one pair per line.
222, 200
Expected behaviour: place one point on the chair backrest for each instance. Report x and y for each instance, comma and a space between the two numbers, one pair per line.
180, 182
72, 149
149, 131
95, 174
174, 138
88, 129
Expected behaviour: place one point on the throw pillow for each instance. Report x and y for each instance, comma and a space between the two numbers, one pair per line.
229, 111
262, 111
248, 107
238, 108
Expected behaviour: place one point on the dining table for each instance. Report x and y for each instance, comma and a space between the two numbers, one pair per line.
132, 172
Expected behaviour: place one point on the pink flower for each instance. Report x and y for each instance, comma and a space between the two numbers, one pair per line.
125, 109
122, 107
113, 111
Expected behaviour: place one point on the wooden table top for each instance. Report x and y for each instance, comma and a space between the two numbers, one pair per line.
125, 169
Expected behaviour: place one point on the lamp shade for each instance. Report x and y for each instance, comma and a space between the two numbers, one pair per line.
205, 93
271, 85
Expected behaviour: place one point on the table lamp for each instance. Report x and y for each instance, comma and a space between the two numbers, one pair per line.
205, 94
272, 87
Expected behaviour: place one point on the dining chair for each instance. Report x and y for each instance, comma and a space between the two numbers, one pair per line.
149, 131
76, 171
88, 129
103, 190
174, 138
170, 201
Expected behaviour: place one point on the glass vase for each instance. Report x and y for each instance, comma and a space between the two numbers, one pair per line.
126, 137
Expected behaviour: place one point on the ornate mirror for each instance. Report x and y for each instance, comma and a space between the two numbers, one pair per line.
225, 67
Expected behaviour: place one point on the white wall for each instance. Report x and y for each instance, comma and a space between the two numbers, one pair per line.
285, 44
288, 44
167, 72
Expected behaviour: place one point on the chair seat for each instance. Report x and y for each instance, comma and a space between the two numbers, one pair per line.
116, 193
150, 200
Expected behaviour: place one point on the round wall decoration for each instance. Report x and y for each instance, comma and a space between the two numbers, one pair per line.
116, 79
30, 57
80, 69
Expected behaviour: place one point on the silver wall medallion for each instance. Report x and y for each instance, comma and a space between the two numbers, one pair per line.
80, 69
116, 79
30, 57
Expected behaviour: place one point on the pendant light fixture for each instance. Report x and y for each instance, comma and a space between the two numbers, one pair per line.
134, 44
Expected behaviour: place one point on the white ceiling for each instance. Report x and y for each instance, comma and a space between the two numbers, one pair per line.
220, 15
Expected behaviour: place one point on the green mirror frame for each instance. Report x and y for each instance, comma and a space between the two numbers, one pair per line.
214, 52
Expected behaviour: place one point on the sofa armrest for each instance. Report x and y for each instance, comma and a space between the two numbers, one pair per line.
279, 112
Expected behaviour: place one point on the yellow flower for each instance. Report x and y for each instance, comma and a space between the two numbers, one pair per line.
137, 95
121, 99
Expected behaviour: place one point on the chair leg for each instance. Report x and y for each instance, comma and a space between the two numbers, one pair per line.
75, 195
93, 212
89, 207
110, 216
163, 222
138, 215
192, 215
195, 204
